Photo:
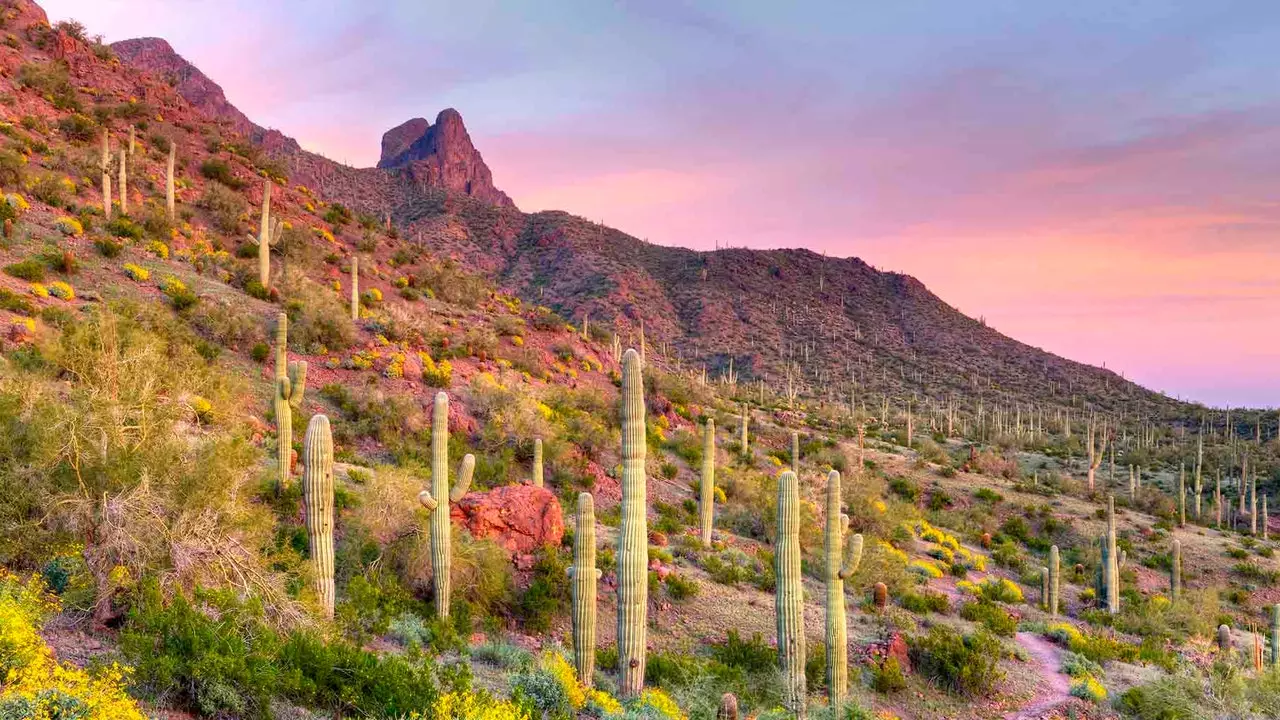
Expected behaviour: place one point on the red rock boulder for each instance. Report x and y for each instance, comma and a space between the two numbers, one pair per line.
520, 518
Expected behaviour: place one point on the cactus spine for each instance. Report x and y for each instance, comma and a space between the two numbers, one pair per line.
707, 493
290, 385
124, 183
1175, 571
317, 500
789, 595
1055, 580
584, 575
106, 173
438, 498
537, 462
168, 185
355, 288
842, 561
633, 536
268, 236
795, 453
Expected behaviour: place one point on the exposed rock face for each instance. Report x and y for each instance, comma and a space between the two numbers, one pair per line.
442, 156
520, 518
155, 55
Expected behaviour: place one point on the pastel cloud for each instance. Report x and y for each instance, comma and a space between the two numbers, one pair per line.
1093, 178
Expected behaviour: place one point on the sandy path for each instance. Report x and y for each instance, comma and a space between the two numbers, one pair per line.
1054, 688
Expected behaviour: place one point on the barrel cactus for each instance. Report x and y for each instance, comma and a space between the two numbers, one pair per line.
317, 502
633, 534
842, 561
706, 491
789, 595
1224, 639
437, 501
880, 595
728, 707
584, 575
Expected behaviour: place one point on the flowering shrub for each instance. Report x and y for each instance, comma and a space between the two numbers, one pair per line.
372, 296
1089, 689
61, 290
925, 568
435, 374
38, 686
178, 293
159, 249
39, 290
17, 202
395, 368
137, 273
471, 705
69, 226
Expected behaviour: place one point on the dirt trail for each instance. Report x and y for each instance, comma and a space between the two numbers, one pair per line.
1054, 687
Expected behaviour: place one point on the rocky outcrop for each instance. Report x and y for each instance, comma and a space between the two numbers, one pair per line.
440, 156
520, 518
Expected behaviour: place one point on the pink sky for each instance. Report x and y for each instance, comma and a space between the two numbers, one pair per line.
1094, 179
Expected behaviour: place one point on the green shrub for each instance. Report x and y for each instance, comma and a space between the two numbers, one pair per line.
963, 664
754, 655
107, 247
924, 601
225, 206
990, 615
887, 676
681, 588
77, 127
30, 270
547, 594
219, 170
121, 226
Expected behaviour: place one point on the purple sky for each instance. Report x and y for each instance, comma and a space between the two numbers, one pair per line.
1095, 178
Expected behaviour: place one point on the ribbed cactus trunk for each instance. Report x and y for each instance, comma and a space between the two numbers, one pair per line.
1199, 486
106, 173
537, 462
633, 536
1253, 505
743, 437
842, 562
280, 403
1055, 580
795, 453
707, 490
355, 288
1275, 635
1265, 519
1113, 559
1044, 588
169, 193
317, 502
1175, 571
1182, 497
789, 595
584, 574
264, 238
124, 183
437, 501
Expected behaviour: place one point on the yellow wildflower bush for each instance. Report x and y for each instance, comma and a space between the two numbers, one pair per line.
1089, 689
439, 375
35, 685
62, 290
69, 226
137, 273
656, 701
39, 290
925, 568
17, 202
159, 249
471, 705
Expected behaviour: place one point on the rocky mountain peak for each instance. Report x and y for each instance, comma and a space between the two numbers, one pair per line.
440, 155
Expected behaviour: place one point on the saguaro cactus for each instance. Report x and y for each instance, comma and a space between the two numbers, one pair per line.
743, 438
633, 535
317, 501
1109, 569
1044, 588
124, 183
842, 561
1275, 635
269, 235
106, 173
438, 498
584, 575
706, 492
537, 462
355, 288
1182, 496
1175, 571
1055, 580
795, 453
169, 200
789, 595
290, 385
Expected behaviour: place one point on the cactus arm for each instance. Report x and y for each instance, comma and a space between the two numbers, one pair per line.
427, 501
297, 382
465, 470
852, 556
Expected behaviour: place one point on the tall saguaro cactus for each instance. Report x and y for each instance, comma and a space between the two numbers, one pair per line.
1182, 496
707, 490
290, 385
1275, 635
1109, 570
1055, 580
355, 288
789, 595
1199, 486
743, 438
584, 574
124, 183
106, 173
633, 535
537, 462
1175, 571
795, 453
269, 235
169, 199
437, 501
842, 561
317, 501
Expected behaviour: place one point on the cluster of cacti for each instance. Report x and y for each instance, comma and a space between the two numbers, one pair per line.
789, 595
706, 491
537, 462
1108, 581
633, 534
169, 198
438, 498
584, 575
842, 561
290, 386
268, 236
317, 501
355, 288
1175, 571
1055, 580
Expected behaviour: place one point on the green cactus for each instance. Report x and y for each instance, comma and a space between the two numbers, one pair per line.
537, 462
743, 439
168, 186
633, 535
268, 236
106, 173
290, 385
1055, 580
1175, 571
1199, 486
1224, 639
789, 595
355, 288
1253, 504
842, 561
1265, 519
1182, 496
317, 501
1275, 635
584, 574
1044, 588
1112, 559
706, 492
728, 707
437, 501
795, 453
124, 183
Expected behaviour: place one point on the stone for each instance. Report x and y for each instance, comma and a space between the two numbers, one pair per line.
519, 518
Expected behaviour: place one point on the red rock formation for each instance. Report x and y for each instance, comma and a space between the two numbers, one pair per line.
440, 156
520, 518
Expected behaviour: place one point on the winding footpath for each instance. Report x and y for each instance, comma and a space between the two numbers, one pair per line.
1054, 688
